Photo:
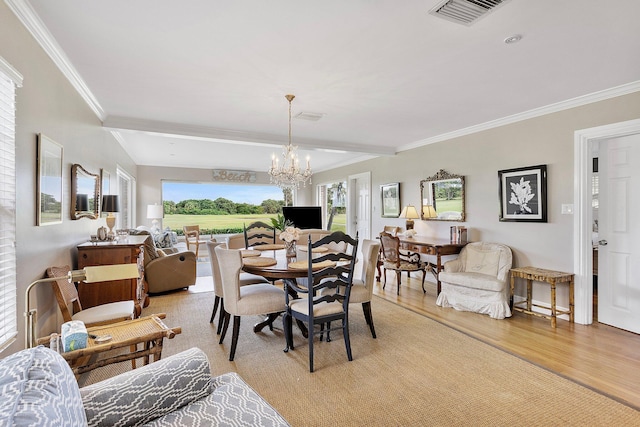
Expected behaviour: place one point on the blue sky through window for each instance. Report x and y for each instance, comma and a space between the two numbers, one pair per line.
238, 193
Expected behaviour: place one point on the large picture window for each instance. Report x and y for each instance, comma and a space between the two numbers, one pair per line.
9, 80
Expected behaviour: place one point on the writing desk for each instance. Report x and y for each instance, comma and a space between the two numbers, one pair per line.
431, 246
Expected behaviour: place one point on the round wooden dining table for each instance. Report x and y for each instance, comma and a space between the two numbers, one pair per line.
282, 268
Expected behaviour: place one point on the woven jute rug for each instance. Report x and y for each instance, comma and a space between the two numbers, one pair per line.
417, 372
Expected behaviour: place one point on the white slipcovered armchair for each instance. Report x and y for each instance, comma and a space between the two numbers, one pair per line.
477, 280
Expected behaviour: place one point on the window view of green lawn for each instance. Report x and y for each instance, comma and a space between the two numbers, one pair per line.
224, 208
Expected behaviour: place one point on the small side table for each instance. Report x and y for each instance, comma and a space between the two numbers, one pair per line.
149, 331
541, 275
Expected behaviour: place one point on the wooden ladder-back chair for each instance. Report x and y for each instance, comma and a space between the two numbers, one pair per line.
259, 233
395, 259
192, 237
69, 303
328, 287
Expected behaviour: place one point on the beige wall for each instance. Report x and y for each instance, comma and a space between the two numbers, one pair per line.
48, 104
546, 140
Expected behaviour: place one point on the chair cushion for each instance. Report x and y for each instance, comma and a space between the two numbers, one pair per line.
260, 298
322, 309
482, 261
404, 266
106, 312
37, 388
473, 280
359, 293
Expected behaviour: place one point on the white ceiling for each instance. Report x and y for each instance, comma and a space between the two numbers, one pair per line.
201, 83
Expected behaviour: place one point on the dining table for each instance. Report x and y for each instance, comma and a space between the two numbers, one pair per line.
275, 265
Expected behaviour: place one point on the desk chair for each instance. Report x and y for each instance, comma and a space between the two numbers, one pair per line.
396, 260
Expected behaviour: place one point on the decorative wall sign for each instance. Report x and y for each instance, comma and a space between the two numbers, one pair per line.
233, 176
523, 194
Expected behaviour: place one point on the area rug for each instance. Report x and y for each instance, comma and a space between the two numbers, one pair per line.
417, 372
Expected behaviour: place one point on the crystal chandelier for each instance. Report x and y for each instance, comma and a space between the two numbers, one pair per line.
289, 174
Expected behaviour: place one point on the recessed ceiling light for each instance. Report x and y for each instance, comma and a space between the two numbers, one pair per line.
513, 39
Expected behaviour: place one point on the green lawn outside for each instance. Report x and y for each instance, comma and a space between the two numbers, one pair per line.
222, 224
443, 205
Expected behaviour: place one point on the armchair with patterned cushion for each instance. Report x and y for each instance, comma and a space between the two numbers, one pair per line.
477, 280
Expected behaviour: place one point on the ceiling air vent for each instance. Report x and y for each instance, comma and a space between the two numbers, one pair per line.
465, 12
313, 117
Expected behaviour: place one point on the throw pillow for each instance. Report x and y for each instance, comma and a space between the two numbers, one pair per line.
482, 261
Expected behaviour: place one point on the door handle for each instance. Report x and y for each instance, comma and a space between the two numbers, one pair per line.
603, 242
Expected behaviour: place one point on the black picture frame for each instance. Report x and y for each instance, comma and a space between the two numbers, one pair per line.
390, 198
523, 194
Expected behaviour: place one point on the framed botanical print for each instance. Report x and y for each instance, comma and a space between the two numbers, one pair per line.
49, 181
523, 194
390, 194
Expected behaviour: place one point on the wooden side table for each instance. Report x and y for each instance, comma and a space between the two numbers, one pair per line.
149, 331
548, 276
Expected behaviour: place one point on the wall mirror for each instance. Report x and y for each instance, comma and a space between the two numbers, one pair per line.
442, 197
85, 193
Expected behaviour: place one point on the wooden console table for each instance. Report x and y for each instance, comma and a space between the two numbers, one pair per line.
430, 246
127, 251
548, 276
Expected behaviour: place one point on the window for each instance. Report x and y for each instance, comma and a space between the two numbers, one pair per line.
333, 199
126, 192
9, 80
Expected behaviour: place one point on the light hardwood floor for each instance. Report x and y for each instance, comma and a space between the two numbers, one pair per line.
597, 356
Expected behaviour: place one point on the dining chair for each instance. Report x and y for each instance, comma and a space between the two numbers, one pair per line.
328, 288
245, 279
362, 288
192, 237
257, 299
395, 259
259, 233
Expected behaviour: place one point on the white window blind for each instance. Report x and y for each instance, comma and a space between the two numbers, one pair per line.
9, 79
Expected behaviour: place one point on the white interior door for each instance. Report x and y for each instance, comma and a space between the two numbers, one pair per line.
360, 198
619, 233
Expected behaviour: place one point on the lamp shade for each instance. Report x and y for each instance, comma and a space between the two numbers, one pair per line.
82, 202
409, 212
429, 211
110, 203
154, 211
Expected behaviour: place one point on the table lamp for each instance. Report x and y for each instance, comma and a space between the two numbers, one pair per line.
428, 211
82, 202
98, 273
409, 213
154, 212
110, 204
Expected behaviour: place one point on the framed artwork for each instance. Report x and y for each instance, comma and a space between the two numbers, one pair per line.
390, 194
105, 188
49, 181
523, 194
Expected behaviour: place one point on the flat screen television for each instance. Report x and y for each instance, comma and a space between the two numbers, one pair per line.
303, 216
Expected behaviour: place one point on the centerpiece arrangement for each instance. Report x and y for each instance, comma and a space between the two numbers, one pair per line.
288, 233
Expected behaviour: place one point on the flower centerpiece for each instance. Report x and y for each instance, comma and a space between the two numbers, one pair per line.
290, 235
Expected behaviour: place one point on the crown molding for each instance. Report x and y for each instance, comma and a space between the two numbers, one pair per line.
32, 22
537, 112
236, 136
11, 72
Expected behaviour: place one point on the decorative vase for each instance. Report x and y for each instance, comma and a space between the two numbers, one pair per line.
290, 248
